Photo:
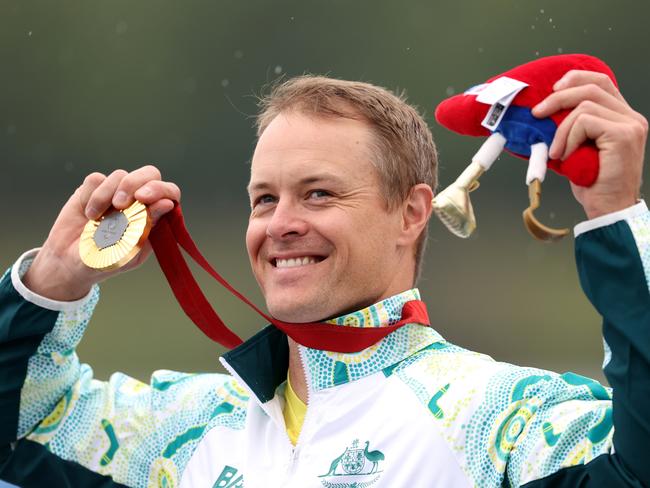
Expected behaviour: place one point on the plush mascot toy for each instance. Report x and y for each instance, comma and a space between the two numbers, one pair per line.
501, 109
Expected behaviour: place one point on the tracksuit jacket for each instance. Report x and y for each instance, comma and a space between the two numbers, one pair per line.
411, 411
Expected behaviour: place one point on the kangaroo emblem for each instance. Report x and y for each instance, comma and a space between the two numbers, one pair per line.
356, 467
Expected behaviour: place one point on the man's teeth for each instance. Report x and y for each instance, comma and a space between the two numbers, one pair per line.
293, 262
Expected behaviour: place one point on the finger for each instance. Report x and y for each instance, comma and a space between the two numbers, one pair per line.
571, 97
576, 77
124, 195
100, 199
160, 208
89, 185
585, 127
558, 146
156, 190
160, 196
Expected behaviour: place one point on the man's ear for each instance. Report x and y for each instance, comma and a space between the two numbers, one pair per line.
416, 211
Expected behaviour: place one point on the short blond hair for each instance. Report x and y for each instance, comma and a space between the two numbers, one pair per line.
405, 152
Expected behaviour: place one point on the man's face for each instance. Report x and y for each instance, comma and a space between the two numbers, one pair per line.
320, 239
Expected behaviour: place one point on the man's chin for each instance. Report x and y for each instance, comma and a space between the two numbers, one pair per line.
297, 311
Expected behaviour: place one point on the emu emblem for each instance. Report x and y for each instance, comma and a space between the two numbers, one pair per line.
356, 467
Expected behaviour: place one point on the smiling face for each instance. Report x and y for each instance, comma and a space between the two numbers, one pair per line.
321, 239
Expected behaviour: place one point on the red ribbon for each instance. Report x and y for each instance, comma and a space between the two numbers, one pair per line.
170, 234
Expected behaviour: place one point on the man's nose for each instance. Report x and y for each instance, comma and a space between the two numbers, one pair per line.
288, 220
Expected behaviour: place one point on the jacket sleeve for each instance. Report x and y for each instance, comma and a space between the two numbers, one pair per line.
60, 427
37, 360
595, 444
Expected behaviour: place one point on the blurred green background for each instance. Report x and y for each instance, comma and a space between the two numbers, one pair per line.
94, 86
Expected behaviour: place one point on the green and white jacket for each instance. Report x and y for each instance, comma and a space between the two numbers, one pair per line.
412, 410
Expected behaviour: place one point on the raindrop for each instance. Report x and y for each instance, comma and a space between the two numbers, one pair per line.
121, 27
278, 69
292, 18
541, 10
532, 27
536, 53
225, 82
450, 91
560, 50
550, 21
480, 49
609, 29
29, 34
408, 48
238, 54
584, 31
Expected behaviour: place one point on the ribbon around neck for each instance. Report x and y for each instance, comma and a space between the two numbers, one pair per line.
170, 235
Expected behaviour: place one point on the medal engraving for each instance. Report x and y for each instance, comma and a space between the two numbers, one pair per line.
116, 238
111, 229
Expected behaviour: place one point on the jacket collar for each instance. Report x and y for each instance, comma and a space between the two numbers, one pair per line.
261, 363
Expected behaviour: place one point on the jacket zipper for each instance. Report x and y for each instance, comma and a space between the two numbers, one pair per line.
295, 453
295, 450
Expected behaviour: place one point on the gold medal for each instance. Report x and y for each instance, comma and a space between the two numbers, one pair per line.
116, 238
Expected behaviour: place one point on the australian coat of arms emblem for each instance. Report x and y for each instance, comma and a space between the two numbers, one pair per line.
356, 467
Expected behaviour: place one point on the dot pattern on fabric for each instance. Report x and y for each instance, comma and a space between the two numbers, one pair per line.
55, 367
139, 434
497, 417
502, 422
157, 431
327, 369
521, 407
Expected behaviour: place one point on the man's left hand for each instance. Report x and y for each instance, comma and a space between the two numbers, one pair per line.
600, 113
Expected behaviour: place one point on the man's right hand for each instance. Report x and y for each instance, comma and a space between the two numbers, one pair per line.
57, 271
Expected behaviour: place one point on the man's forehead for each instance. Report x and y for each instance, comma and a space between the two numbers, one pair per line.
308, 173
302, 149
295, 131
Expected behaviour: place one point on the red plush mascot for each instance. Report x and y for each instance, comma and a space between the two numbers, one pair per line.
501, 109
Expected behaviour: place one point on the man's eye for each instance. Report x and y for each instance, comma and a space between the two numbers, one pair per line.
316, 194
264, 200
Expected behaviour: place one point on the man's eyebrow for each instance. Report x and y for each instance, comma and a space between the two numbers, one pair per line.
317, 178
250, 188
307, 180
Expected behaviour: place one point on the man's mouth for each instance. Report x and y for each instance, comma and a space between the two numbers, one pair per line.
295, 262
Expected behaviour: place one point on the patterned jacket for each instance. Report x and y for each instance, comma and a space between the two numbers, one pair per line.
412, 410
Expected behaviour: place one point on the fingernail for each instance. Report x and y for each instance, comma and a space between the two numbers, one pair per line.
539, 107
145, 191
559, 84
91, 212
120, 198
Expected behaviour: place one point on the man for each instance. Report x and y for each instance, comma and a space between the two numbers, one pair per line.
341, 185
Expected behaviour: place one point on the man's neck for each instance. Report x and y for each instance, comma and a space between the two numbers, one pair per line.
297, 371
297, 374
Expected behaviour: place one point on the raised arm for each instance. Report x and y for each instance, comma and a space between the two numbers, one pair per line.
57, 271
593, 443
56, 420
52, 291
61, 427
